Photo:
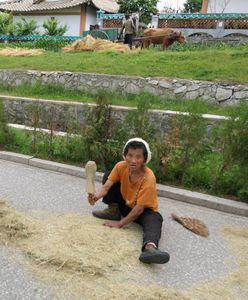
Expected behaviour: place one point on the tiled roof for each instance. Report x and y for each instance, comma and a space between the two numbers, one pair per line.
107, 5
39, 5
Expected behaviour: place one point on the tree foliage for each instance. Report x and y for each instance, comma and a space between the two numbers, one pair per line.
6, 24
25, 27
193, 6
168, 10
53, 27
144, 7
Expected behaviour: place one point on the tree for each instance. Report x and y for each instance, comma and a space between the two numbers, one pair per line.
192, 6
6, 24
144, 7
25, 27
52, 27
168, 10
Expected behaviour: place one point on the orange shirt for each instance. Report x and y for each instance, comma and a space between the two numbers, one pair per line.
142, 192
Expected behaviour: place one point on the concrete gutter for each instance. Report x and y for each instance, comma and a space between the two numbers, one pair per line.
217, 203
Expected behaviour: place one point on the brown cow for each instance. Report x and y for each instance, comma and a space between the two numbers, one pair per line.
164, 36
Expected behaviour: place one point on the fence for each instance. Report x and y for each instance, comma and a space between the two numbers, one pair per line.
216, 25
26, 38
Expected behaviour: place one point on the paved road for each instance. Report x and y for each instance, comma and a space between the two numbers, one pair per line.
193, 258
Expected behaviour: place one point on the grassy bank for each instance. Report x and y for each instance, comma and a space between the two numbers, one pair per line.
219, 63
58, 92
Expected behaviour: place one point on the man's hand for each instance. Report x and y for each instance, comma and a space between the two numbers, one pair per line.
92, 199
116, 224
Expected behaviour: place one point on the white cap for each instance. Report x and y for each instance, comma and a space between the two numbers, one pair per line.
149, 154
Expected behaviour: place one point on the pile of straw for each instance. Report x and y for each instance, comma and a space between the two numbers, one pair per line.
14, 226
91, 44
84, 260
84, 257
20, 52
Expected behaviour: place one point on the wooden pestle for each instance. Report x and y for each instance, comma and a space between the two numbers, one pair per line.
90, 170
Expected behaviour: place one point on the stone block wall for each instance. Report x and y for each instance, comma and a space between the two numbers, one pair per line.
62, 111
173, 88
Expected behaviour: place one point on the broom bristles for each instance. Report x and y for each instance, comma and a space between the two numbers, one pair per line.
195, 225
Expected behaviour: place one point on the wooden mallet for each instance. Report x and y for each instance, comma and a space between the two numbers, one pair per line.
90, 171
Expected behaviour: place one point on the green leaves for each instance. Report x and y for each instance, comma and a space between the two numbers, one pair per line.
192, 6
191, 154
5, 133
25, 27
29, 26
53, 27
6, 24
144, 7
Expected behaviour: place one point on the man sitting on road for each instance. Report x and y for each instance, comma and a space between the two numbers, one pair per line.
129, 190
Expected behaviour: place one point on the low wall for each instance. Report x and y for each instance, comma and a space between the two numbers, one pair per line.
62, 111
223, 94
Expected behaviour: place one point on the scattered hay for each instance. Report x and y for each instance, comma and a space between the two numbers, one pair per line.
238, 243
14, 226
21, 52
235, 284
81, 244
86, 260
81, 257
91, 44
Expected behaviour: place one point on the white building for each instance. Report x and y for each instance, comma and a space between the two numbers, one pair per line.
224, 6
77, 14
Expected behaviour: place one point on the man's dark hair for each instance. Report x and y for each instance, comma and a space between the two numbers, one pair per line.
127, 17
136, 145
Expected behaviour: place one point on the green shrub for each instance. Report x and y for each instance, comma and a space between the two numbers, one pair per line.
137, 122
22, 142
188, 155
49, 44
5, 133
25, 27
183, 145
6, 24
52, 27
198, 174
34, 115
231, 141
100, 133
45, 43
243, 194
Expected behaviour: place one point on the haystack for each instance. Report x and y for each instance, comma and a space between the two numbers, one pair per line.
91, 44
21, 52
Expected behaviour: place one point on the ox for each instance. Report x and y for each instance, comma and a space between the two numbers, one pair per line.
164, 36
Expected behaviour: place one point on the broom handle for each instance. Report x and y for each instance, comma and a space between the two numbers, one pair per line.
90, 171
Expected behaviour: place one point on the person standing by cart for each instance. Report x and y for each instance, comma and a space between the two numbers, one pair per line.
129, 31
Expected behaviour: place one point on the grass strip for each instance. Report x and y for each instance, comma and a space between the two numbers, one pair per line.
58, 92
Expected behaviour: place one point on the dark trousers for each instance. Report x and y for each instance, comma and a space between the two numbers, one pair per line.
150, 220
128, 39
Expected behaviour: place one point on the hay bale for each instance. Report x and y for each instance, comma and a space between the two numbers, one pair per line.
20, 52
91, 44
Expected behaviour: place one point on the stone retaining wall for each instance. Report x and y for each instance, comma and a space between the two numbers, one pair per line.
62, 111
173, 88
